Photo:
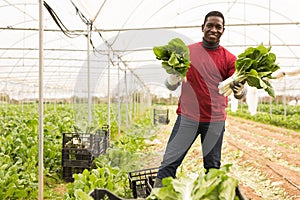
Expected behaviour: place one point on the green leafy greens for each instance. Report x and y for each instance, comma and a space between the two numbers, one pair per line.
175, 57
216, 184
255, 66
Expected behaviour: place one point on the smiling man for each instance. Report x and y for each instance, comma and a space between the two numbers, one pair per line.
213, 28
201, 109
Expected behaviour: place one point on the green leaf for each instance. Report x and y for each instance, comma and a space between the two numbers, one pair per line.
227, 188
173, 61
175, 56
243, 65
270, 89
161, 53
80, 195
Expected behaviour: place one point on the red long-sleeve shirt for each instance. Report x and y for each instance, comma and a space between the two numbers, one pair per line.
200, 99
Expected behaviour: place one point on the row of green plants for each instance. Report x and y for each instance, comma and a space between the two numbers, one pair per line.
19, 146
279, 109
286, 116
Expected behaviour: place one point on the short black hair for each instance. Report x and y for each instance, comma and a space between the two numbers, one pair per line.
214, 13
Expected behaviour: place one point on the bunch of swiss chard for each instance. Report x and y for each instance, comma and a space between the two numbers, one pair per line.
175, 57
254, 66
216, 184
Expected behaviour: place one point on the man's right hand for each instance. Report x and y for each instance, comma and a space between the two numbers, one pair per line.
173, 81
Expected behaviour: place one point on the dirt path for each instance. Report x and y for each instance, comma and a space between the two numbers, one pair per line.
274, 152
266, 159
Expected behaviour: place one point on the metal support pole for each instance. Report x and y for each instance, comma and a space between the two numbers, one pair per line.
119, 100
126, 96
108, 91
89, 75
41, 100
284, 96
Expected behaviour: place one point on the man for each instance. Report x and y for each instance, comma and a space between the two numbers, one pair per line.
201, 109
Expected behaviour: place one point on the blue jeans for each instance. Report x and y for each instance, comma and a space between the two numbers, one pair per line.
184, 133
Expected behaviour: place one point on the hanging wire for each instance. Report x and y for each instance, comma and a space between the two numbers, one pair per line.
87, 21
59, 23
109, 46
82, 17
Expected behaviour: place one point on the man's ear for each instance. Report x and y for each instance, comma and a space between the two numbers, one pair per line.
202, 27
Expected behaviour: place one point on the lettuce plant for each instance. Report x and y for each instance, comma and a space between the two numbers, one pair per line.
216, 184
254, 66
175, 57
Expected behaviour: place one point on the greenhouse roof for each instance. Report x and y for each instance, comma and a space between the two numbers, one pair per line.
121, 36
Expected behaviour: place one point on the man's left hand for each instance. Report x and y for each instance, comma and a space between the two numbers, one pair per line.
237, 87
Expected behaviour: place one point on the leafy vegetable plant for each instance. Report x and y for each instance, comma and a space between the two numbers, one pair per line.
255, 66
175, 57
107, 177
216, 184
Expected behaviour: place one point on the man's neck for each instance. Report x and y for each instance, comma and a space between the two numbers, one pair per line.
208, 45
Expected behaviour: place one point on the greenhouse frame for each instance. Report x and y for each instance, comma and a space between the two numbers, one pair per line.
84, 53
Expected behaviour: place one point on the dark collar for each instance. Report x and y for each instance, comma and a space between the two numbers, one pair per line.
208, 45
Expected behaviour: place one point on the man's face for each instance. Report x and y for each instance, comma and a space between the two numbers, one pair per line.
213, 29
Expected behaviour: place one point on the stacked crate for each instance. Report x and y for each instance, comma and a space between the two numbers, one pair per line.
161, 116
141, 182
80, 149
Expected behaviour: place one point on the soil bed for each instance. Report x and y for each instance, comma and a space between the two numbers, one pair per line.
265, 158
273, 151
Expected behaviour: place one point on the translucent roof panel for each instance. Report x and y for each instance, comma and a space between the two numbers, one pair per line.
122, 35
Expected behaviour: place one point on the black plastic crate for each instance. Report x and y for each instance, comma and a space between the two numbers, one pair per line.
240, 194
161, 116
95, 143
99, 194
99, 142
79, 151
69, 171
141, 182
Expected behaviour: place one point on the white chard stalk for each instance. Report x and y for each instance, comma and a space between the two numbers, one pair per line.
224, 86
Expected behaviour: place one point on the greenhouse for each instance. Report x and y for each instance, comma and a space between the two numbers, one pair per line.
87, 69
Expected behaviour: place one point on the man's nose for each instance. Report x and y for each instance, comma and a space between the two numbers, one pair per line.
214, 29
